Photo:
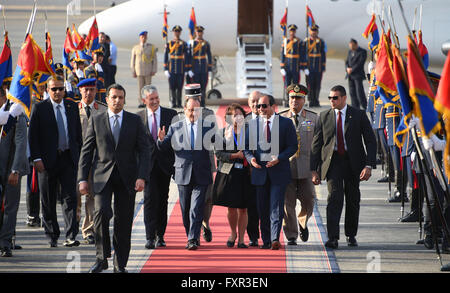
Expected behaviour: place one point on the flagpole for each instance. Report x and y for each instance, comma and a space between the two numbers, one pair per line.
414, 20
420, 17
4, 19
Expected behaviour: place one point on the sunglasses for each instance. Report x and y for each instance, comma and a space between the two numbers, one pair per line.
261, 105
333, 98
54, 89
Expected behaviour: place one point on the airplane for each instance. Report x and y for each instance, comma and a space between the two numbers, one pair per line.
227, 21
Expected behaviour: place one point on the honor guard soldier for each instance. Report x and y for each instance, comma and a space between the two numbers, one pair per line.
95, 70
201, 62
290, 58
301, 187
176, 65
79, 62
314, 63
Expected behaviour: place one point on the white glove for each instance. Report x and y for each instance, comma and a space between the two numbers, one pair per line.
413, 122
167, 73
413, 156
370, 66
283, 72
79, 73
98, 67
191, 74
306, 71
68, 86
209, 74
427, 143
438, 144
15, 110
3, 117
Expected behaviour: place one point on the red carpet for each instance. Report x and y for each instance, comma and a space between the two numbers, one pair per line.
212, 257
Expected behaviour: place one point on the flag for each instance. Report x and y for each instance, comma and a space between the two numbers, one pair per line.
423, 51
383, 72
373, 30
165, 26
309, 17
42, 77
442, 105
77, 40
91, 40
30, 62
420, 91
6, 61
283, 23
192, 24
68, 48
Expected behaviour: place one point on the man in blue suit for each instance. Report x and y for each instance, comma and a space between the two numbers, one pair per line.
192, 164
272, 140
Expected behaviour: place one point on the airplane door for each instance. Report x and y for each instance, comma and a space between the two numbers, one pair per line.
253, 16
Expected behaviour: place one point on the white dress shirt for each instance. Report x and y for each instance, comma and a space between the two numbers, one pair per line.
150, 119
270, 120
343, 113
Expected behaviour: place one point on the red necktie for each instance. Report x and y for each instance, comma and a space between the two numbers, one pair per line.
340, 136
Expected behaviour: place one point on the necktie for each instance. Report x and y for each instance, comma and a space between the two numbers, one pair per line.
154, 128
296, 120
62, 138
88, 111
268, 134
116, 129
192, 136
340, 136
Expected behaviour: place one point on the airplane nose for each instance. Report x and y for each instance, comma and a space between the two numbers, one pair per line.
445, 47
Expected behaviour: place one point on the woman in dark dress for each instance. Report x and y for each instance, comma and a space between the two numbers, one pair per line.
232, 184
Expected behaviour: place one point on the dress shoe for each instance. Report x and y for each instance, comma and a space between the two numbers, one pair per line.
351, 241
428, 242
304, 233
16, 247
6, 251
445, 268
192, 245
230, 243
100, 265
207, 234
253, 243
160, 242
394, 199
71, 243
276, 245
33, 222
120, 270
266, 246
242, 245
150, 244
383, 179
89, 240
410, 217
332, 243
292, 242
53, 243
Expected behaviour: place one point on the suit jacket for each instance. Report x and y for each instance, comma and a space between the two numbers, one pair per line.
132, 155
15, 144
356, 61
43, 132
164, 160
359, 137
279, 174
190, 162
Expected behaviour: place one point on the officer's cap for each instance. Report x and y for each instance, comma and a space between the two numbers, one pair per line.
87, 82
177, 28
192, 90
59, 67
99, 51
143, 33
292, 27
297, 90
199, 28
314, 27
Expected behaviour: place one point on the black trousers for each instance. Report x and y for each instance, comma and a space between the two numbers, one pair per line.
156, 195
61, 179
342, 184
32, 198
357, 94
384, 148
176, 88
253, 216
313, 82
123, 220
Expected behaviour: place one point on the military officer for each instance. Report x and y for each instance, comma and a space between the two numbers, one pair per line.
314, 59
88, 106
290, 58
301, 187
201, 62
176, 65
144, 63
95, 70
79, 62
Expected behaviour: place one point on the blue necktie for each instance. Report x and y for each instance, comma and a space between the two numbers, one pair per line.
62, 138
192, 136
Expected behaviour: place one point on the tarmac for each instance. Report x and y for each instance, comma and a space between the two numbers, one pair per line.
385, 245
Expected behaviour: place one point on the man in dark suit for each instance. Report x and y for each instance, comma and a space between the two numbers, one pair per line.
119, 153
156, 193
192, 164
272, 140
55, 140
343, 151
354, 65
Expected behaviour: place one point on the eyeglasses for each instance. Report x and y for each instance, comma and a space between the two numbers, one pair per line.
261, 105
333, 98
54, 89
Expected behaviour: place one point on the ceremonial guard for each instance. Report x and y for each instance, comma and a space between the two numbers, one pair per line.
379, 124
301, 187
290, 58
95, 70
314, 64
201, 62
176, 65
79, 62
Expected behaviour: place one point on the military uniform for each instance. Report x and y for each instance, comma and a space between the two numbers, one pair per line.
201, 64
314, 59
371, 100
301, 187
144, 64
92, 71
176, 62
392, 121
290, 59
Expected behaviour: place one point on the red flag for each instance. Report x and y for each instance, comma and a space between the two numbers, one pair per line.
92, 39
283, 22
165, 26
442, 105
383, 68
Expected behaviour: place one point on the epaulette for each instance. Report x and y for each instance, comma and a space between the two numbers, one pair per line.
284, 111
307, 110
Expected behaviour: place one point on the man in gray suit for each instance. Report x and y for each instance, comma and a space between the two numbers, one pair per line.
13, 165
119, 153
